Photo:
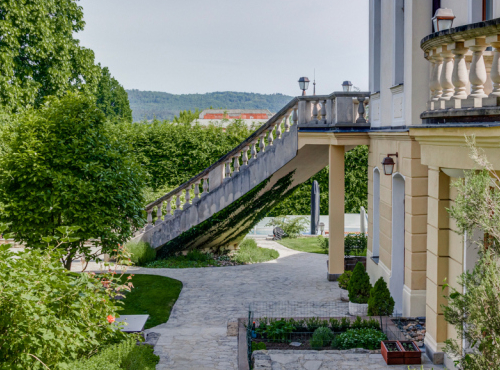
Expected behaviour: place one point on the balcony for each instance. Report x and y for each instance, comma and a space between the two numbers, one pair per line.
465, 74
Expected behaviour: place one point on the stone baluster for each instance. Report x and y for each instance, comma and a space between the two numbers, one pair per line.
236, 162
253, 152
459, 76
314, 117
262, 144
295, 116
159, 213
477, 74
178, 203
445, 79
244, 157
495, 65
278, 129
169, 208
323, 111
196, 191
270, 136
361, 110
287, 123
205, 185
188, 197
436, 76
228, 168
149, 219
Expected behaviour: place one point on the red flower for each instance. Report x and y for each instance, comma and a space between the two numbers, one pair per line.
111, 319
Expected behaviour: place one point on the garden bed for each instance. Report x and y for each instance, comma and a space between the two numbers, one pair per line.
413, 328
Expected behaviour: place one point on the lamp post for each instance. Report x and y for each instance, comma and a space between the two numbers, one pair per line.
388, 164
303, 84
347, 86
321, 227
443, 19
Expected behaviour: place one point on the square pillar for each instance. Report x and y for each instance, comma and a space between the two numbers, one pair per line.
336, 212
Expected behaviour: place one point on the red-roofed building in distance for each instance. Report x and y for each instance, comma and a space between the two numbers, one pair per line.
223, 117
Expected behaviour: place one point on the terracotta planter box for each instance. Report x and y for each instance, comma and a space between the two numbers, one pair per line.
412, 357
392, 357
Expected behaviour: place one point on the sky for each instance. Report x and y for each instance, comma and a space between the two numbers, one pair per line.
199, 46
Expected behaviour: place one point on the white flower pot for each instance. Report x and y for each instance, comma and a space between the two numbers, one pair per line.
358, 309
344, 295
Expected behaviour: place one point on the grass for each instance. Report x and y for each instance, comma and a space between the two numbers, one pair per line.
249, 252
152, 295
309, 245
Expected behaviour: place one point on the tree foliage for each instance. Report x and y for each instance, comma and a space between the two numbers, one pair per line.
359, 285
380, 302
111, 98
61, 167
473, 309
38, 53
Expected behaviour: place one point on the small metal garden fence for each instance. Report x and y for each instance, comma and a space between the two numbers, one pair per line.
291, 324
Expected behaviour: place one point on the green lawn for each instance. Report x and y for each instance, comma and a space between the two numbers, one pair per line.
152, 295
309, 245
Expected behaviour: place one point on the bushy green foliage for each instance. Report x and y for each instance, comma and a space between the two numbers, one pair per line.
258, 346
321, 337
249, 252
323, 243
126, 355
359, 285
340, 325
111, 97
140, 252
50, 314
360, 323
380, 302
359, 338
344, 279
60, 167
276, 330
292, 226
355, 244
164, 106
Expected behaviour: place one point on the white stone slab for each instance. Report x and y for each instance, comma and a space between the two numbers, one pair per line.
135, 323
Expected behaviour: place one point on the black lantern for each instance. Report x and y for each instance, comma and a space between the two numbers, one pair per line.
443, 19
388, 163
347, 86
303, 84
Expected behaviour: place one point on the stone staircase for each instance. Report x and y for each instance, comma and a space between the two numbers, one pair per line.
233, 194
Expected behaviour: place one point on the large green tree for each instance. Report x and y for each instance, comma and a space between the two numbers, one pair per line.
60, 166
39, 55
112, 98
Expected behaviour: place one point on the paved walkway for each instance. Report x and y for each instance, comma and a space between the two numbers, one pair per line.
195, 336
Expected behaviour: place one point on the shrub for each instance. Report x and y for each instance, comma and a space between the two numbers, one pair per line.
362, 324
292, 226
380, 302
321, 337
249, 252
355, 245
344, 279
258, 346
140, 253
359, 338
276, 330
359, 285
323, 243
125, 355
53, 314
341, 325
314, 323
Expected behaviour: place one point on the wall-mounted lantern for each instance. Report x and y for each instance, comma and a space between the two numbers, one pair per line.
388, 163
321, 227
347, 86
443, 19
303, 84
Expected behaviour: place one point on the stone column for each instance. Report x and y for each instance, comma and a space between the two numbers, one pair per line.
336, 212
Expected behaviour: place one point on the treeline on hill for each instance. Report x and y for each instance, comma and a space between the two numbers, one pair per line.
164, 106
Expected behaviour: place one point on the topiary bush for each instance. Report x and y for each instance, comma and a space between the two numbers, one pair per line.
380, 302
359, 285
321, 337
323, 243
344, 279
140, 253
359, 338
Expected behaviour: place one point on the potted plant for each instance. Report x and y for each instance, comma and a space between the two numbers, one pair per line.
380, 302
343, 284
392, 352
359, 291
411, 353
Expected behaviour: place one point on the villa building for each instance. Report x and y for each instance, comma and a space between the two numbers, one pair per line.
250, 117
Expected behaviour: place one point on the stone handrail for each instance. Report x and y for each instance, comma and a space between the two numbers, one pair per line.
464, 74
339, 109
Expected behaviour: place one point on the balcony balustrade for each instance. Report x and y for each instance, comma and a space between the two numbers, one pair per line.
464, 82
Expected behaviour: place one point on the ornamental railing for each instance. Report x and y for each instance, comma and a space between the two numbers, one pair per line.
464, 81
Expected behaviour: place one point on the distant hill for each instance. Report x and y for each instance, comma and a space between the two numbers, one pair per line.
148, 104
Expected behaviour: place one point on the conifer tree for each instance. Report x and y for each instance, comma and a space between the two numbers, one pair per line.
359, 285
380, 303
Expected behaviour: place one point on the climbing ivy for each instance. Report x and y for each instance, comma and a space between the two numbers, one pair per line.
236, 220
